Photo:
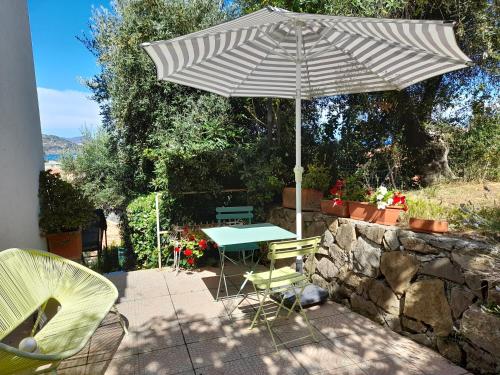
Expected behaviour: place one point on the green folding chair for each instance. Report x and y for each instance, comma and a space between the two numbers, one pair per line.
282, 280
228, 216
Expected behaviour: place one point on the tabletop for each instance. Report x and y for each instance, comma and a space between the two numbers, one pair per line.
241, 234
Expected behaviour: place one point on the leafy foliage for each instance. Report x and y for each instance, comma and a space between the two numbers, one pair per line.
141, 217
316, 177
96, 170
63, 208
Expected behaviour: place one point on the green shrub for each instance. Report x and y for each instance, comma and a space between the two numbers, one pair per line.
141, 231
63, 207
316, 177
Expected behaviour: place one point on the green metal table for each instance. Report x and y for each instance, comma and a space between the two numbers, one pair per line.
243, 234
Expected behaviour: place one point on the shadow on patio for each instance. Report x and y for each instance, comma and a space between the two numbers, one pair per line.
176, 327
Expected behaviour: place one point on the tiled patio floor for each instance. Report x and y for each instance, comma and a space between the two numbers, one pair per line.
176, 327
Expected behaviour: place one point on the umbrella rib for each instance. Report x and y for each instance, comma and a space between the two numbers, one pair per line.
277, 44
256, 65
394, 85
403, 46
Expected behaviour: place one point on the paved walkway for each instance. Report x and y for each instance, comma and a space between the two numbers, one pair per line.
176, 327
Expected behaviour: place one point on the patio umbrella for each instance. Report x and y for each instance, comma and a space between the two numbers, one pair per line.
277, 53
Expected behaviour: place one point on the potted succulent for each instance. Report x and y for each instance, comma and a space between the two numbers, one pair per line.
335, 205
64, 210
314, 182
383, 207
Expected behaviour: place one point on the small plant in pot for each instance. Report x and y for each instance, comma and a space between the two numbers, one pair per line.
314, 183
335, 205
427, 216
64, 211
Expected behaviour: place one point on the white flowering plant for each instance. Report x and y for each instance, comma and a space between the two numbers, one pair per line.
384, 197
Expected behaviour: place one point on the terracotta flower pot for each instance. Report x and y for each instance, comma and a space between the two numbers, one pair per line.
388, 216
363, 211
328, 208
66, 244
369, 212
429, 226
311, 199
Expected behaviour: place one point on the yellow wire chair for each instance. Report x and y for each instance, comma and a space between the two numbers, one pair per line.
284, 279
28, 279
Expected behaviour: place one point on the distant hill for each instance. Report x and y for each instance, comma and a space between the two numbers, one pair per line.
77, 140
54, 146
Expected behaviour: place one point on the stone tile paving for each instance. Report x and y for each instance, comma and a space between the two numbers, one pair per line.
176, 327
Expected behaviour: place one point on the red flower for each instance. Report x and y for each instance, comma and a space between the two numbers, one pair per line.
190, 261
177, 249
333, 190
188, 252
202, 244
191, 237
339, 184
338, 202
185, 230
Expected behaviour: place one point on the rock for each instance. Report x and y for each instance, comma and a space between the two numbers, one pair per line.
391, 321
477, 263
425, 301
363, 306
338, 291
391, 241
346, 236
328, 239
373, 232
398, 269
319, 281
308, 264
358, 283
443, 268
417, 244
421, 338
339, 257
493, 296
482, 329
479, 361
449, 349
384, 297
366, 257
474, 282
327, 268
413, 325
333, 226
323, 250
316, 228
445, 243
460, 300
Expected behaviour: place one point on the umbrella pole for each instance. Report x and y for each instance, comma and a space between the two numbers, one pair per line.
298, 135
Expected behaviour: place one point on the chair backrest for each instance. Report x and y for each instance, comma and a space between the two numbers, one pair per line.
294, 248
234, 215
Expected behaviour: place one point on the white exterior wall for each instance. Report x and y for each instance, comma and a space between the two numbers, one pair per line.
21, 153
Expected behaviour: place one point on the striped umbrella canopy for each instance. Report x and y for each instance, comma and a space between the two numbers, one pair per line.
277, 53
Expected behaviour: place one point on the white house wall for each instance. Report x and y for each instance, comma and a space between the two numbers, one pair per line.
21, 154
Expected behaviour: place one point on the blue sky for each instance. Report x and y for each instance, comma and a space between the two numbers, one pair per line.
60, 61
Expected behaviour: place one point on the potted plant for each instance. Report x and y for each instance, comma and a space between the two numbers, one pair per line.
383, 207
64, 210
425, 216
335, 205
314, 182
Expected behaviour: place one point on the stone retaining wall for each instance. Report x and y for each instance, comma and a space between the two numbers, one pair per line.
427, 287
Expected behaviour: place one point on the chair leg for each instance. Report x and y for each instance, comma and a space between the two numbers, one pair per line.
303, 313
122, 323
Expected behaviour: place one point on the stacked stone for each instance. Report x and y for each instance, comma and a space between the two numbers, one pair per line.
427, 287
